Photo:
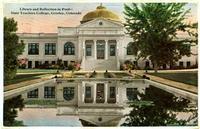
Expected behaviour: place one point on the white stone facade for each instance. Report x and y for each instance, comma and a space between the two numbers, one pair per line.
100, 35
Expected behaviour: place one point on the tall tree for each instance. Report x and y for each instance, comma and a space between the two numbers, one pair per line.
194, 32
157, 108
12, 48
10, 111
154, 28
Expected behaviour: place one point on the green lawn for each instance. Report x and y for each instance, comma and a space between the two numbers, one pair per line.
36, 70
40, 102
120, 75
184, 77
24, 77
29, 74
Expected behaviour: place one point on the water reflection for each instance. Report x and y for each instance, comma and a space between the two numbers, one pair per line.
157, 108
104, 103
10, 112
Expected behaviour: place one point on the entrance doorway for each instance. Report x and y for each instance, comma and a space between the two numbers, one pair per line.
100, 49
100, 93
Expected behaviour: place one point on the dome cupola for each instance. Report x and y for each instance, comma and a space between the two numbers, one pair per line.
100, 12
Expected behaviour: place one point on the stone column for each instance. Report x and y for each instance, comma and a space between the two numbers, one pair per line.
83, 49
41, 92
25, 53
41, 50
60, 48
117, 94
117, 55
83, 55
83, 92
79, 93
33, 63
59, 92
106, 50
106, 92
95, 92
95, 49
80, 50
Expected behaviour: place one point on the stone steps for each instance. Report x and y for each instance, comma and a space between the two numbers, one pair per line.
92, 64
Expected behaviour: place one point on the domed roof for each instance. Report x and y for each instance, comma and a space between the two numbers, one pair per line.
100, 11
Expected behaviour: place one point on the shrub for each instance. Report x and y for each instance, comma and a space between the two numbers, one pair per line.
93, 74
71, 67
22, 66
22, 63
128, 62
128, 65
78, 66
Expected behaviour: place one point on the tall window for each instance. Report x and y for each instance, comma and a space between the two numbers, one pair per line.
130, 49
33, 48
188, 64
69, 48
33, 94
53, 62
36, 64
88, 92
68, 93
181, 63
50, 49
88, 50
131, 93
49, 92
29, 64
112, 92
112, 50
65, 63
46, 62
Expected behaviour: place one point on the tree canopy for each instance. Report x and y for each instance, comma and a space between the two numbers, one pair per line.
12, 48
158, 108
10, 111
154, 28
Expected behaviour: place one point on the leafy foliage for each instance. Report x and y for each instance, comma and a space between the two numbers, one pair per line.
11, 48
154, 28
156, 108
10, 112
194, 32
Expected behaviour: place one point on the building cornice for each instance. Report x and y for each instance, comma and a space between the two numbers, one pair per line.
102, 35
37, 35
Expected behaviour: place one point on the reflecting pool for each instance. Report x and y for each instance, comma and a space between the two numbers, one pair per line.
106, 102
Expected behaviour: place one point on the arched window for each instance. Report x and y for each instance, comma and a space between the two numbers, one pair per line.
68, 93
130, 49
69, 48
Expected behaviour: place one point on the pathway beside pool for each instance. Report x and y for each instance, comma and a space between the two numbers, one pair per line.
25, 83
179, 85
